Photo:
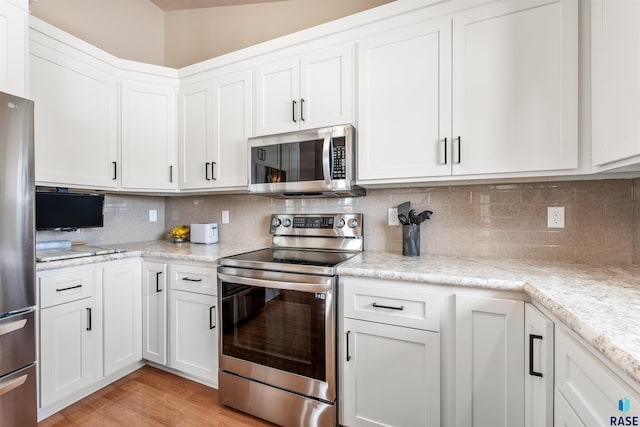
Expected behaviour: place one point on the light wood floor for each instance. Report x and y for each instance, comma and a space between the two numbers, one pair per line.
151, 397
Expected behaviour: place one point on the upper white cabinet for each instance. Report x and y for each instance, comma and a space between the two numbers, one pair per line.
490, 90
615, 82
75, 119
311, 91
405, 102
13, 46
148, 136
489, 354
215, 122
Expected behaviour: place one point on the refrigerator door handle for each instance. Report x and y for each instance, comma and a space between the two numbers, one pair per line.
6, 387
7, 328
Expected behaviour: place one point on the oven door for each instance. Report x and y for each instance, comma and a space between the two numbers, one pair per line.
279, 329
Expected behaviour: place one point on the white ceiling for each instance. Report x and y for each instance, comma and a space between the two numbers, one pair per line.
198, 4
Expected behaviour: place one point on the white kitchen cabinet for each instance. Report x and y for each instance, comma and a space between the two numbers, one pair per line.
486, 91
154, 312
489, 368
538, 380
75, 119
404, 102
122, 315
70, 332
615, 82
311, 91
193, 319
564, 414
13, 46
589, 387
148, 136
215, 123
389, 352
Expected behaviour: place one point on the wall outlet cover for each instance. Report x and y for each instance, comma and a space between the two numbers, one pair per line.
225, 217
393, 216
153, 215
555, 217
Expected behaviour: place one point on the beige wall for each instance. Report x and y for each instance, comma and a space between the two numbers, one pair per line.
195, 35
496, 221
129, 29
138, 30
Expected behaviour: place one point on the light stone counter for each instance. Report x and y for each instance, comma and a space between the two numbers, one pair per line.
163, 249
599, 303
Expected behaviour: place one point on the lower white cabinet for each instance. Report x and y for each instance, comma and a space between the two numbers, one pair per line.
391, 375
193, 332
154, 312
489, 354
564, 414
70, 332
538, 376
122, 315
590, 388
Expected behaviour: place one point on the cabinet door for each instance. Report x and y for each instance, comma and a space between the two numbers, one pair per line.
193, 334
122, 315
154, 312
278, 97
232, 122
405, 103
326, 87
391, 375
75, 121
615, 79
564, 414
148, 137
196, 135
538, 380
515, 87
13, 48
489, 371
70, 349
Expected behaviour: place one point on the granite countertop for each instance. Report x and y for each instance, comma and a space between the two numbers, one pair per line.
599, 303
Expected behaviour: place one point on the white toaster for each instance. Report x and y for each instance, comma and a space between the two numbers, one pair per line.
204, 233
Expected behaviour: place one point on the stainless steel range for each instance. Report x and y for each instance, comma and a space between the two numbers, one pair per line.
278, 311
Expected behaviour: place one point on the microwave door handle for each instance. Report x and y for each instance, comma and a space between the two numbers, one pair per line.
275, 284
327, 153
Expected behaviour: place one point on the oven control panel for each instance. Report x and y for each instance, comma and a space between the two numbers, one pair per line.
346, 224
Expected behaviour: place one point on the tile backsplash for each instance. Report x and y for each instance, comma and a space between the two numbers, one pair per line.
496, 221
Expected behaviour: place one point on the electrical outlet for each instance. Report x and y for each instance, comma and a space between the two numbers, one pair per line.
225, 217
555, 216
393, 216
153, 215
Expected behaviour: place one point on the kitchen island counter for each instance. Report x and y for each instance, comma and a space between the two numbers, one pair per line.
599, 303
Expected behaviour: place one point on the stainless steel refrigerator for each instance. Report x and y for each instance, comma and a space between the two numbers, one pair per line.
18, 402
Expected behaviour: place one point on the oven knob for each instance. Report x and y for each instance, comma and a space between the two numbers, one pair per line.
275, 222
353, 223
286, 222
340, 223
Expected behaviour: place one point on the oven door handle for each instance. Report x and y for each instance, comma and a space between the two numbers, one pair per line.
275, 284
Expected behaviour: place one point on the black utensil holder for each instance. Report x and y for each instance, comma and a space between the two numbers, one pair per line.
411, 240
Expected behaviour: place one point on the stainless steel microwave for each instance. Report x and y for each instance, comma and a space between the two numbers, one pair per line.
307, 163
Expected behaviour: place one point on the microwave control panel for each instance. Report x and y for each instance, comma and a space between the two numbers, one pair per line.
338, 167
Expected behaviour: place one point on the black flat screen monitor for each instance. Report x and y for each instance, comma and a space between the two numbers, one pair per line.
68, 211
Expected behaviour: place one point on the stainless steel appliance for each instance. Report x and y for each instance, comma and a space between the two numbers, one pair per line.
309, 163
17, 265
278, 337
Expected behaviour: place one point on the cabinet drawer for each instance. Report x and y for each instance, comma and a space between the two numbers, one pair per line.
192, 278
67, 286
388, 304
590, 387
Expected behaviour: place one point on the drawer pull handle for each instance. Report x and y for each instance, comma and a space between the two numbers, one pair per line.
188, 279
69, 288
6, 387
348, 355
389, 307
531, 371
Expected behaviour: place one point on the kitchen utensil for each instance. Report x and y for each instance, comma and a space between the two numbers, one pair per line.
412, 216
403, 209
423, 216
403, 219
